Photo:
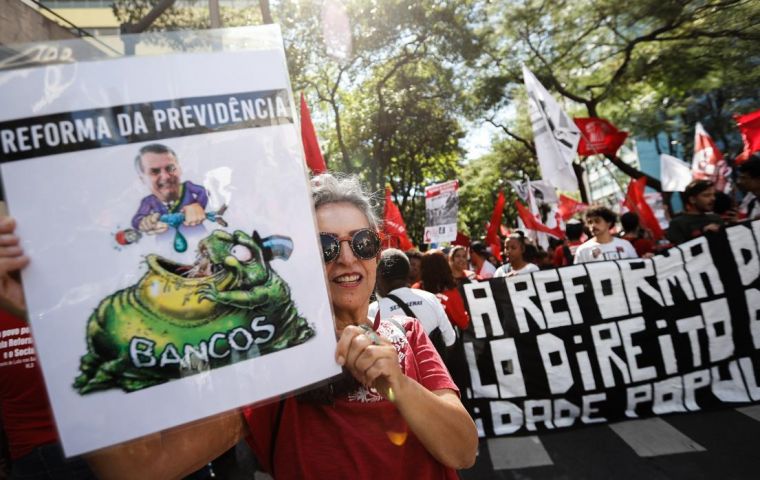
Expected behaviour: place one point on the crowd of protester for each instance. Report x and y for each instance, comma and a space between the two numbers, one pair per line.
413, 284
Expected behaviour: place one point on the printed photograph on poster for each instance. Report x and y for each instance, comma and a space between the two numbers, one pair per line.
167, 263
441, 208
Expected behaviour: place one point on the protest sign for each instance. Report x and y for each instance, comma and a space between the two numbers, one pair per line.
176, 271
441, 207
605, 341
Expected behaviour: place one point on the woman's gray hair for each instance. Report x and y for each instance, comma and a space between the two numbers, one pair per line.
328, 188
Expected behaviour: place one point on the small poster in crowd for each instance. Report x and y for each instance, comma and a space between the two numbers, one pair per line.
441, 207
175, 269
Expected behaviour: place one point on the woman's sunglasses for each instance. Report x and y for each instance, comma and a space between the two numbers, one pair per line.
365, 244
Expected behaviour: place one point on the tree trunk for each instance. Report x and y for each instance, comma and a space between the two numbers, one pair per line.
345, 159
579, 170
266, 12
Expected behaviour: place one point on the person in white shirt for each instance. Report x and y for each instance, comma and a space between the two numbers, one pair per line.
603, 245
516, 262
399, 300
479, 259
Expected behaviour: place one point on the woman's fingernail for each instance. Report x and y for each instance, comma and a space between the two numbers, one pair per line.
341, 360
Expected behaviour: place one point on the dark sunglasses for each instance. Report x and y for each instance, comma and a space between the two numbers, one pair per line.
365, 244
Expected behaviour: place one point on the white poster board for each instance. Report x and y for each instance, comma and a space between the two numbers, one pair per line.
137, 332
441, 209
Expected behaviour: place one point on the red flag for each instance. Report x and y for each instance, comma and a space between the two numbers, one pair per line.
393, 223
708, 162
492, 237
598, 136
311, 150
635, 202
704, 163
462, 240
568, 207
532, 223
749, 125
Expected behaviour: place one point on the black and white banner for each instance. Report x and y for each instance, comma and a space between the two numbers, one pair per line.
141, 122
611, 340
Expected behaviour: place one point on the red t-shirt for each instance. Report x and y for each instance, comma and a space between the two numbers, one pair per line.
454, 306
362, 435
560, 260
24, 403
641, 245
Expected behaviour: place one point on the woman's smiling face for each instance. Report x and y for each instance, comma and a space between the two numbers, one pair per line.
459, 259
351, 279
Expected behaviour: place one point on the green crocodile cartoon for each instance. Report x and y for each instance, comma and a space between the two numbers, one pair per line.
178, 320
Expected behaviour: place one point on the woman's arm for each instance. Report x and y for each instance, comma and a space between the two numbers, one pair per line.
440, 422
173, 453
437, 418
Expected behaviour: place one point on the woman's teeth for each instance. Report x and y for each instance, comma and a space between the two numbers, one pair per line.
348, 278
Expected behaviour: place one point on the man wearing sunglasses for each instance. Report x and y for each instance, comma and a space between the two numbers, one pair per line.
398, 299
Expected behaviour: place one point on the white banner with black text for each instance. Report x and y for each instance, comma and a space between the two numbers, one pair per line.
606, 341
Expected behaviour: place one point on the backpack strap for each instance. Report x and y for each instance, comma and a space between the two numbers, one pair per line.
403, 306
568, 254
436, 337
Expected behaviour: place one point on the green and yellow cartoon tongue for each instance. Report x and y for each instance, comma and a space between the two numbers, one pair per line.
176, 298
182, 319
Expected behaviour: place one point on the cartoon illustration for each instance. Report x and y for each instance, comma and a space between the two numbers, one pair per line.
159, 169
178, 320
129, 236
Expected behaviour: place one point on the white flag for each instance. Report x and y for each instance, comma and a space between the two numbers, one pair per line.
539, 237
544, 191
556, 135
675, 174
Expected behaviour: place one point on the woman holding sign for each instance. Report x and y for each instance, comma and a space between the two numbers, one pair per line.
396, 413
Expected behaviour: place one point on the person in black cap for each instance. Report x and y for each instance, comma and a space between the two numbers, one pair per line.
479, 259
398, 299
565, 253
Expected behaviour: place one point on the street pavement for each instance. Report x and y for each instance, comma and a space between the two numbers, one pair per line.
723, 444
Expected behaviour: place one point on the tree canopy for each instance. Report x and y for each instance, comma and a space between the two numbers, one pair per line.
391, 83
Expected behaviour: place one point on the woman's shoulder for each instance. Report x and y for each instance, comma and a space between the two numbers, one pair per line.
502, 271
395, 327
530, 267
